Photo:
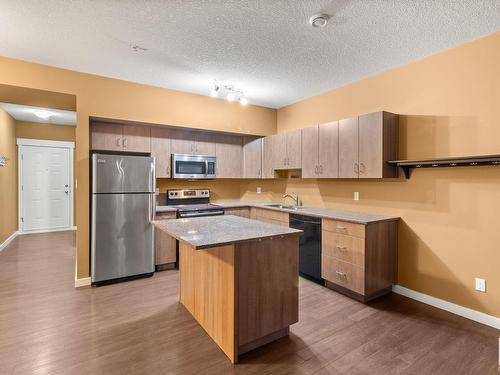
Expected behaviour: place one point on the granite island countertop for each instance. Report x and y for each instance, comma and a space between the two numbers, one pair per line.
213, 231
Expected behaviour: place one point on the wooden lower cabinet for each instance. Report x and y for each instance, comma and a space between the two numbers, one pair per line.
270, 216
165, 245
238, 211
359, 260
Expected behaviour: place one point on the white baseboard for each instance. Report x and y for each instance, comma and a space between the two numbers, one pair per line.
9, 239
465, 312
84, 281
47, 230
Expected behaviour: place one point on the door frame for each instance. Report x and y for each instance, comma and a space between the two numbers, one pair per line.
21, 143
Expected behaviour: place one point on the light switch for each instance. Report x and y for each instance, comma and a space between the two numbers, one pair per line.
480, 285
259, 190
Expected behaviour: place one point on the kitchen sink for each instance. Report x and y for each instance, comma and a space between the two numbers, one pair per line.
284, 206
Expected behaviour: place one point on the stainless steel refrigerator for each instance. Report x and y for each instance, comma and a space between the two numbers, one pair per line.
123, 205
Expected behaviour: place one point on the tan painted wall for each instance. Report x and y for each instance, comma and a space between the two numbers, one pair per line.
34, 130
111, 98
8, 177
450, 217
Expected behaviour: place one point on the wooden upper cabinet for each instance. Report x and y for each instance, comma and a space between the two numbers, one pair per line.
328, 154
204, 143
378, 144
268, 157
320, 152
252, 157
310, 152
279, 157
348, 148
293, 149
136, 138
161, 150
183, 142
107, 137
229, 154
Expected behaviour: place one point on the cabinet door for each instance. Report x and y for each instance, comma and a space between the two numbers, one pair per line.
310, 161
348, 148
252, 157
294, 149
107, 137
182, 142
328, 150
205, 144
229, 153
371, 145
136, 138
160, 149
279, 159
165, 248
268, 157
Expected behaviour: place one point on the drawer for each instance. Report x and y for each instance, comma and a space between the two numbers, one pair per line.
243, 211
342, 273
343, 227
271, 214
165, 215
347, 248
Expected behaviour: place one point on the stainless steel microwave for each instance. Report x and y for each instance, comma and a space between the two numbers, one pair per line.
193, 166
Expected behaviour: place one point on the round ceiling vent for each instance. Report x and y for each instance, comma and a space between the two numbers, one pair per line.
319, 20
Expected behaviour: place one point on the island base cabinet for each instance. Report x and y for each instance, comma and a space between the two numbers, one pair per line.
244, 295
359, 260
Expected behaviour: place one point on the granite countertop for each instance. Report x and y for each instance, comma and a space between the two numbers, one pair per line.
212, 231
165, 209
350, 216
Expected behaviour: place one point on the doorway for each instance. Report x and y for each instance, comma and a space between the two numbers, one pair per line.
45, 185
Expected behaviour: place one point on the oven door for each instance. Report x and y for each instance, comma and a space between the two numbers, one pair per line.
192, 166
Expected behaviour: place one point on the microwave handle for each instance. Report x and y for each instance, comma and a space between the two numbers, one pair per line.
206, 167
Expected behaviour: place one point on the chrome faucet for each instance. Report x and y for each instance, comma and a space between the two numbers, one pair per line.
295, 198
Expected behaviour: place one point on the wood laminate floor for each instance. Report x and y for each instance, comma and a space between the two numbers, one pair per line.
139, 327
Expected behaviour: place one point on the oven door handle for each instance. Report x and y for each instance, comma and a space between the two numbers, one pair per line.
200, 213
206, 167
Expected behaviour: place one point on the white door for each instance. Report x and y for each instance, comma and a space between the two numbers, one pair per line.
45, 187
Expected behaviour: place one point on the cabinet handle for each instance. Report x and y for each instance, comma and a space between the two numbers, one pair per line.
362, 168
356, 168
341, 274
118, 142
321, 169
125, 142
316, 170
341, 248
341, 228
260, 173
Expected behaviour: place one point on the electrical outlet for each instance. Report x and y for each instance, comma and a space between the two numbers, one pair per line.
259, 190
480, 285
356, 195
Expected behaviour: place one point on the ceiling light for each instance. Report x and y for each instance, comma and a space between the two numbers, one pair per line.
43, 114
319, 20
215, 91
230, 97
243, 101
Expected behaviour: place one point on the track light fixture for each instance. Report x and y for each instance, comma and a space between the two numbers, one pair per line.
230, 92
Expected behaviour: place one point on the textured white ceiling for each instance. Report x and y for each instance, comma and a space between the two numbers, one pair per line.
264, 47
27, 113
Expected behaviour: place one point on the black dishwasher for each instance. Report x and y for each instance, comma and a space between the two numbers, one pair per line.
309, 245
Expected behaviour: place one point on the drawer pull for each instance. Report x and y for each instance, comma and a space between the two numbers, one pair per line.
341, 228
341, 274
341, 248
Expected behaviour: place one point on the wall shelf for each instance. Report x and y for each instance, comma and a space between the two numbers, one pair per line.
464, 161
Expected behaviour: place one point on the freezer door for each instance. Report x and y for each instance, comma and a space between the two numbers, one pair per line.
122, 235
122, 174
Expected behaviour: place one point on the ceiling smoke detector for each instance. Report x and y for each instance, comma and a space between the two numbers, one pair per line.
319, 20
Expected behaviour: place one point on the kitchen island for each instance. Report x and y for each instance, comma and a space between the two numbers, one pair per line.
238, 278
